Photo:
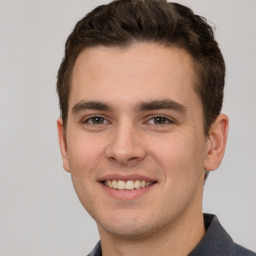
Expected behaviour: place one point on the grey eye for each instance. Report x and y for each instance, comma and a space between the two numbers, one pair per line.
96, 120
160, 120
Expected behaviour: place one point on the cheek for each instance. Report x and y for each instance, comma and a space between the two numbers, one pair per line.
179, 155
181, 163
83, 154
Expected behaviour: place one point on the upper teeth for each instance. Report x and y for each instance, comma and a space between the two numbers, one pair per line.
128, 185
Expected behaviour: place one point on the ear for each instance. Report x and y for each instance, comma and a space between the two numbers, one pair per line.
63, 145
217, 140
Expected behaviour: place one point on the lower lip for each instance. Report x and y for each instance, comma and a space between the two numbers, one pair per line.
126, 194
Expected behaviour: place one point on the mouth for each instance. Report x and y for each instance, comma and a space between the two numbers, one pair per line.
127, 185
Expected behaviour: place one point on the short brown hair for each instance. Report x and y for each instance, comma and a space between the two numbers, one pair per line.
124, 22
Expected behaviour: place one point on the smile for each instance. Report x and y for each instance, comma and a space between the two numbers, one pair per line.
127, 185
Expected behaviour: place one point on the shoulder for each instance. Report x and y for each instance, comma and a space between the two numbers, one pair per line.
96, 250
217, 241
241, 251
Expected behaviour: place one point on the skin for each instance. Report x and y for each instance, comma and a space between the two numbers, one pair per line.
127, 139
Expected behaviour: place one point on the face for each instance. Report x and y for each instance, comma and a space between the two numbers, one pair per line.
135, 143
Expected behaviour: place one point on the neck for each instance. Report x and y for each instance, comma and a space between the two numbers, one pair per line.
179, 239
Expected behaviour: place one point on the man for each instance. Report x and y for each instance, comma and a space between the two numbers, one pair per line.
141, 89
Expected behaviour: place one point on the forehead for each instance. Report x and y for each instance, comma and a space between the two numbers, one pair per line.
143, 71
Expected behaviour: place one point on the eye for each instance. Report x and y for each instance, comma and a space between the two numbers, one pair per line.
160, 120
96, 120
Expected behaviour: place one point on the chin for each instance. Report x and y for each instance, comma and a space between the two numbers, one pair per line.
128, 232
132, 228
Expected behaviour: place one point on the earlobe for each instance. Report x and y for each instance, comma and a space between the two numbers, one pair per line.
217, 140
63, 145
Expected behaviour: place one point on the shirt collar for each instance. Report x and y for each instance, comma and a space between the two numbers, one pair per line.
216, 240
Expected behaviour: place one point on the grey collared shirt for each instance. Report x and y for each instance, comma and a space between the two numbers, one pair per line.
216, 242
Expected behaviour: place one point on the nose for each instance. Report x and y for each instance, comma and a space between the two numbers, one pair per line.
126, 145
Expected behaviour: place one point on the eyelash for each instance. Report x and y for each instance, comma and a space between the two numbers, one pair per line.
91, 120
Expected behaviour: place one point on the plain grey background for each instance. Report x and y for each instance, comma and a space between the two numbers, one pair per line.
40, 214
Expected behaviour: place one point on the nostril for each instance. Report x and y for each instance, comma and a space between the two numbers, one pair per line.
125, 148
132, 158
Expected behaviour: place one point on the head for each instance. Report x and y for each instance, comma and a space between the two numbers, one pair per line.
123, 23
141, 88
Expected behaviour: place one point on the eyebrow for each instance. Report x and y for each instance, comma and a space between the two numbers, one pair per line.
142, 106
161, 104
95, 105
